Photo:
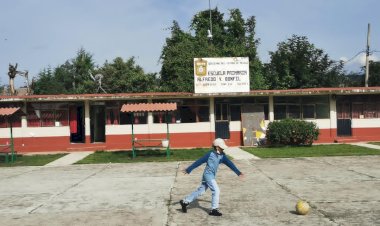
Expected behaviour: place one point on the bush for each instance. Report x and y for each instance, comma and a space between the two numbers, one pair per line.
291, 132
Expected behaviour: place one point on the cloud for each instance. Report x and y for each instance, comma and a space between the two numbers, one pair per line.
357, 62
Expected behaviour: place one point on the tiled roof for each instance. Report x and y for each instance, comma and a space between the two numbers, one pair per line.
176, 95
148, 107
8, 111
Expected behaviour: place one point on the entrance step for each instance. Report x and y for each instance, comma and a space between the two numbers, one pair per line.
346, 140
87, 148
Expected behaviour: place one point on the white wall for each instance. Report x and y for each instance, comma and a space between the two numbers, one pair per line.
366, 123
36, 132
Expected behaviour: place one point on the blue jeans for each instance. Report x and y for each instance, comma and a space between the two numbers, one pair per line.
202, 189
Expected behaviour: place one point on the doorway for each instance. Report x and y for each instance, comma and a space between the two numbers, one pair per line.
98, 123
76, 123
344, 127
222, 120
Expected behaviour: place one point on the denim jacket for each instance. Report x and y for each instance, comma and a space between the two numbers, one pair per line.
212, 160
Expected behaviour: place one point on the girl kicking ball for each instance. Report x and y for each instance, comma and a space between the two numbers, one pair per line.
212, 159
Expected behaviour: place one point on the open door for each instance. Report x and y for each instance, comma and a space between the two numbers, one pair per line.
98, 123
76, 123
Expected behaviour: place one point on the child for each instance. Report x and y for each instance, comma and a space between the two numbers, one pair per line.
212, 159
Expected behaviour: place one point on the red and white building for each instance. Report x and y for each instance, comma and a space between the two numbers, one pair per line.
95, 122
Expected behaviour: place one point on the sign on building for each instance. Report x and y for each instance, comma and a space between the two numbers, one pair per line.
221, 75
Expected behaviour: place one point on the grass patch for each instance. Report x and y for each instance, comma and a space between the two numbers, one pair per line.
31, 160
144, 156
312, 151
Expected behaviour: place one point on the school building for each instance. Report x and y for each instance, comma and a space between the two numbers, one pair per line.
95, 121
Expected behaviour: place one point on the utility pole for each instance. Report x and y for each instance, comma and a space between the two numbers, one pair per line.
367, 58
209, 32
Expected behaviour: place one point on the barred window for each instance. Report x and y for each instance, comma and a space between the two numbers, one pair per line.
47, 114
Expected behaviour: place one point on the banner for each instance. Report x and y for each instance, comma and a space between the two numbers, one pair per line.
221, 75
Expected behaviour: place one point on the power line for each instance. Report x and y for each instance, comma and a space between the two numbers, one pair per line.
363, 51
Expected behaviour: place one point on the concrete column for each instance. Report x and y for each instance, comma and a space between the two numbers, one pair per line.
212, 114
87, 119
271, 109
24, 122
333, 115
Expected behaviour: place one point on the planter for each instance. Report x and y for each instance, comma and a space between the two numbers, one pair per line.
165, 143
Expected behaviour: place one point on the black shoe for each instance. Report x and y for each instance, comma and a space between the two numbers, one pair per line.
215, 212
184, 206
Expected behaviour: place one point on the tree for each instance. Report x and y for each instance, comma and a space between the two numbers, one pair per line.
354, 79
299, 64
125, 76
82, 64
177, 60
71, 77
233, 37
47, 83
374, 73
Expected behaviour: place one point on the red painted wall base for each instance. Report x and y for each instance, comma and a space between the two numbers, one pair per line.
177, 140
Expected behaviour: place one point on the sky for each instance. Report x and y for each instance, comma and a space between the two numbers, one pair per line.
38, 34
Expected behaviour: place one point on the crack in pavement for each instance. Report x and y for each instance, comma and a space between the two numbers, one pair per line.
288, 190
33, 209
171, 194
351, 170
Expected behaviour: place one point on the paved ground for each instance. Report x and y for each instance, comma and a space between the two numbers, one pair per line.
363, 144
341, 191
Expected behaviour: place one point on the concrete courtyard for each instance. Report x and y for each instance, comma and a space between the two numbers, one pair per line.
340, 190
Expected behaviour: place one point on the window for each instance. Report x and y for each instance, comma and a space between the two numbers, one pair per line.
363, 106
112, 116
115, 117
305, 107
161, 117
15, 118
47, 118
235, 106
190, 111
235, 112
322, 111
61, 117
294, 111
47, 114
308, 111
137, 117
279, 112
370, 110
357, 110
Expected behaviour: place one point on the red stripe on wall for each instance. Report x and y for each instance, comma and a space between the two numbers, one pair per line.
177, 140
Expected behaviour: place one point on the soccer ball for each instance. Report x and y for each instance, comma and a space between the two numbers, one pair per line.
302, 207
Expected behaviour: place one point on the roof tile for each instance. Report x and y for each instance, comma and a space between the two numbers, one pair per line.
149, 107
8, 111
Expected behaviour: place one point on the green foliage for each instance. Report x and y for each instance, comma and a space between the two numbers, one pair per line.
48, 83
125, 76
374, 73
299, 64
144, 156
234, 37
292, 132
311, 151
31, 160
74, 76
354, 79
